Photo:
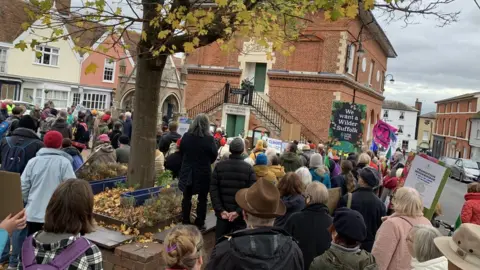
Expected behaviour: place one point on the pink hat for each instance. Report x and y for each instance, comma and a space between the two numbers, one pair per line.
103, 138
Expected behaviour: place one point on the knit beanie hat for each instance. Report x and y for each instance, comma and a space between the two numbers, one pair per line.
27, 122
124, 139
236, 146
53, 139
316, 161
261, 159
349, 223
106, 117
103, 138
53, 111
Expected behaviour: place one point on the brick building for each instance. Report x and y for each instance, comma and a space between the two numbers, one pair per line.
452, 127
329, 64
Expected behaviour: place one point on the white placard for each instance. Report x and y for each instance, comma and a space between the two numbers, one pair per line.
425, 176
274, 143
183, 128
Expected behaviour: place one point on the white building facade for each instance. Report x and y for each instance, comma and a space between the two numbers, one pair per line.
404, 118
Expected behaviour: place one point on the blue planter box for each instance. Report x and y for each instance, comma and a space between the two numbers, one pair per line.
100, 185
142, 195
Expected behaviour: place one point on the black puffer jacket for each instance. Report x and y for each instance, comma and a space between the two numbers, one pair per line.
260, 248
167, 139
229, 177
310, 228
20, 136
61, 126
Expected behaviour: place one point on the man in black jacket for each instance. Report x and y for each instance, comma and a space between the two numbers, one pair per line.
365, 201
260, 246
169, 137
22, 137
229, 177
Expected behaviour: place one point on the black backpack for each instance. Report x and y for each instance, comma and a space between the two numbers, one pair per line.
15, 160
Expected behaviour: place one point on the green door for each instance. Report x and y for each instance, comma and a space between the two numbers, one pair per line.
230, 124
239, 124
260, 77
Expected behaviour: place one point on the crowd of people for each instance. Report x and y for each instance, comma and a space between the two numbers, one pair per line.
272, 209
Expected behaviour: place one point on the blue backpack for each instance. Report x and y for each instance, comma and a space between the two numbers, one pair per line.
77, 162
14, 160
4, 128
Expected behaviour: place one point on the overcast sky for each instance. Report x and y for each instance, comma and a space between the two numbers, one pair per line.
434, 63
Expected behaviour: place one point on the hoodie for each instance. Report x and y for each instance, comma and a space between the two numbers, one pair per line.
322, 178
41, 177
262, 171
278, 170
293, 203
61, 126
103, 153
76, 156
471, 209
102, 128
290, 161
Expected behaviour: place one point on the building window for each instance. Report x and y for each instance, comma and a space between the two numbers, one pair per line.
3, 60
94, 101
351, 58
438, 126
449, 127
456, 127
469, 106
444, 127
402, 116
76, 99
108, 70
123, 70
49, 56
405, 144
458, 107
385, 114
426, 135
7, 91
59, 98
465, 152
467, 130
451, 107
400, 129
478, 133
370, 74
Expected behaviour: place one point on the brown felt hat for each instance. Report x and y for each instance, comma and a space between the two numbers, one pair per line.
262, 200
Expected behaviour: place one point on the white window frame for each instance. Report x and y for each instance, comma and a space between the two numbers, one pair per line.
351, 60
91, 102
467, 133
51, 53
5, 54
426, 135
55, 99
76, 98
469, 106
456, 127
113, 64
444, 127
370, 73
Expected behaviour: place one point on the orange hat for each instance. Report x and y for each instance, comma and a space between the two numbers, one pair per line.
94, 112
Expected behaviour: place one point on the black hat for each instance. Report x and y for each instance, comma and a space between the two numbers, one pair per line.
236, 146
54, 111
27, 122
370, 176
124, 139
349, 223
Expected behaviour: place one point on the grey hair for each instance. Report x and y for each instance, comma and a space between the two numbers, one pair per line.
424, 249
200, 126
62, 114
317, 192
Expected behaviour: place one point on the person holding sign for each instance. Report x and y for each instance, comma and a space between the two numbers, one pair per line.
9, 225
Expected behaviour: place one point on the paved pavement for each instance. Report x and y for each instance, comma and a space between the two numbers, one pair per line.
452, 200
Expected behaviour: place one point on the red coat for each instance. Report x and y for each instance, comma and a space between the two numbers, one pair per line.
471, 209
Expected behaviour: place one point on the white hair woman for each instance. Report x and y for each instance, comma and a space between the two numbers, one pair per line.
199, 151
314, 218
363, 161
305, 175
425, 254
390, 248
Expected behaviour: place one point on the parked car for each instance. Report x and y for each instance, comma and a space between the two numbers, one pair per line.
465, 170
449, 162
28, 106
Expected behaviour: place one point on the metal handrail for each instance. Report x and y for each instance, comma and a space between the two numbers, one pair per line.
208, 105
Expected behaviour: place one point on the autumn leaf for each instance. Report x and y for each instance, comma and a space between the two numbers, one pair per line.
91, 68
25, 26
221, 3
188, 47
38, 54
144, 36
163, 34
351, 11
21, 45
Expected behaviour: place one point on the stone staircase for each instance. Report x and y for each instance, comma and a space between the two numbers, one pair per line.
271, 114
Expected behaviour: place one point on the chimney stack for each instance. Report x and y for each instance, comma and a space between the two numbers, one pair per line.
418, 106
63, 6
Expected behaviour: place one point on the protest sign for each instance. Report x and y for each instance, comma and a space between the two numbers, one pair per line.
11, 201
183, 125
78, 108
276, 144
347, 126
428, 177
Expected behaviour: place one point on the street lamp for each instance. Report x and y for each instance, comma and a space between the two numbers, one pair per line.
392, 80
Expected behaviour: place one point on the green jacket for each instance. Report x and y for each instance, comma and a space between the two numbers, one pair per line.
290, 161
340, 258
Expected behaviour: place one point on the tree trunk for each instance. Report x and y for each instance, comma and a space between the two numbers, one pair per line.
141, 169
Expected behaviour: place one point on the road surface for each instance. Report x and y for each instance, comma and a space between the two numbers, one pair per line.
452, 200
